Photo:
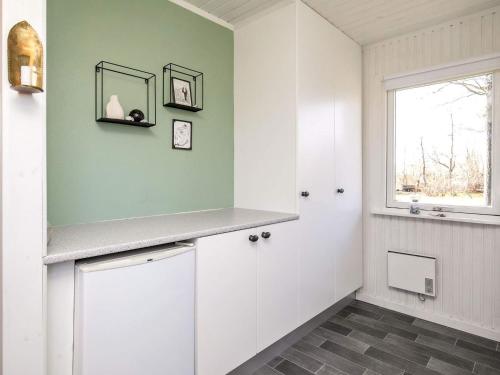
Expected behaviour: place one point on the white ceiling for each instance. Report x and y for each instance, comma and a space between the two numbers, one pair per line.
234, 11
368, 21
365, 21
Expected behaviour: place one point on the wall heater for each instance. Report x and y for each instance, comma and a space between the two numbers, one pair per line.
412, 272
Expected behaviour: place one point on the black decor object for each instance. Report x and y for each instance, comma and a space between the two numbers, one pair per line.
182, 88
137, 115
130, 78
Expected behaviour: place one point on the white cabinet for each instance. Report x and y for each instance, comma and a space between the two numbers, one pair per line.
316, 162
247, 294
329, 162
264, 102
277, 278
348, 169
226, 308
298, 128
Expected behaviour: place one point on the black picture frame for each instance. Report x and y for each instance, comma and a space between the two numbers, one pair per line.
174, 99
177, 147
197, 87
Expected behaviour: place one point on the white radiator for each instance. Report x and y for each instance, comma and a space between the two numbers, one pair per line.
412, 272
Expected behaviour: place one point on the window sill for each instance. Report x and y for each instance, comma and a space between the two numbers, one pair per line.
450, 216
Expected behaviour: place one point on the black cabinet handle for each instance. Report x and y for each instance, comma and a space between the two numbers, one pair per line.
305, 194
253, 238
266, 235
340, 190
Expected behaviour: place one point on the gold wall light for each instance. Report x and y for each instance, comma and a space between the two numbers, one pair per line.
25, 55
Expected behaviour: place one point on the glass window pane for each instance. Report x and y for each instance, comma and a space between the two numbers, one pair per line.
443, 142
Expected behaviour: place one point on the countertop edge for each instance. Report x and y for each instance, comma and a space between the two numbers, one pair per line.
114, 249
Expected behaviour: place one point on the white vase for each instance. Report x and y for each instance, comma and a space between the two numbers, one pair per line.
114, 109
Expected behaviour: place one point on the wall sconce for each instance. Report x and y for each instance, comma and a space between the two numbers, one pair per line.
25, 55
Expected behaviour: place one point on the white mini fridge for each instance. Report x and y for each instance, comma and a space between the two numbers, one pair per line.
134, 314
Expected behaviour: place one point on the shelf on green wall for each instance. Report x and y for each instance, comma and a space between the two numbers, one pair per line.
123, 71
125, 122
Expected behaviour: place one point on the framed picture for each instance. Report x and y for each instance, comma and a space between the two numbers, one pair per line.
182, 135
181, 90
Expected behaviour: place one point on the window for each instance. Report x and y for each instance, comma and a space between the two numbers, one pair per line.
443, 145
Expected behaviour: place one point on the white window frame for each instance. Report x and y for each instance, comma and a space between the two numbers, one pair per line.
490, 64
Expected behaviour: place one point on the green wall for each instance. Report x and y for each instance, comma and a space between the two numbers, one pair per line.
105, 171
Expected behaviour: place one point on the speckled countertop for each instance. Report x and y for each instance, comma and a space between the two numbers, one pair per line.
80, 241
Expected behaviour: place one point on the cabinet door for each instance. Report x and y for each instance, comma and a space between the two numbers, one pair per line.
316, 162
277, 283
348, 164
226, 301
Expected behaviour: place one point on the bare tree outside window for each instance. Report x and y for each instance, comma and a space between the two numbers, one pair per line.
443, 148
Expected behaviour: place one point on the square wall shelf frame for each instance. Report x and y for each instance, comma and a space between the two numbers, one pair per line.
149, 80
194, 77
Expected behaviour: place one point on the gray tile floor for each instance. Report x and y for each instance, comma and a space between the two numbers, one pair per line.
364, 339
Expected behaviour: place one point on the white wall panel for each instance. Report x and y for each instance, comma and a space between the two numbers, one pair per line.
468, 273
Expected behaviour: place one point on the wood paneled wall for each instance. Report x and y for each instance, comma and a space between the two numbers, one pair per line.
468, 294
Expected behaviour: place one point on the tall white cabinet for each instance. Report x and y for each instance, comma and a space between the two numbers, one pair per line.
265, 98
347, 190
298, 132
329, 160
316, 160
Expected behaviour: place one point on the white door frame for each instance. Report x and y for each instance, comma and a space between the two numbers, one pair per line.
23, 213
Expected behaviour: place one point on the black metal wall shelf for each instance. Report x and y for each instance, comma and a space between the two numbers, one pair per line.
125, 122
184, 107
173, 75
149, 80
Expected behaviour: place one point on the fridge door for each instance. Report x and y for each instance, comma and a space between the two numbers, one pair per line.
134, 315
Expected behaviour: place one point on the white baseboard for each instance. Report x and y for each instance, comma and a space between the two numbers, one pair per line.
432, 317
